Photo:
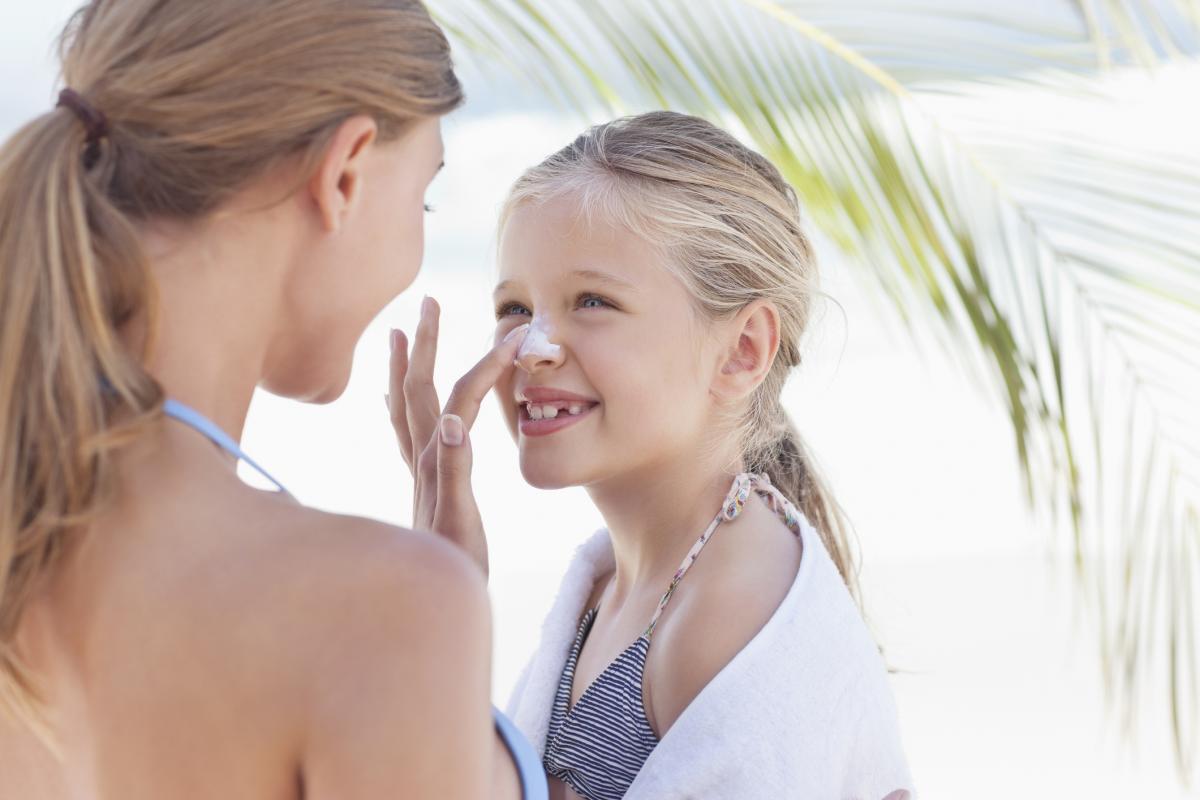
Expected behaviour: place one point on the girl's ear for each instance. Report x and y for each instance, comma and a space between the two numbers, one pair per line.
752, 342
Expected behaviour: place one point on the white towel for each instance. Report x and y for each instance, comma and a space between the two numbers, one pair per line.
803, 711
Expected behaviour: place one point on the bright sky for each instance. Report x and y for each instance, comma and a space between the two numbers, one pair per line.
998, 689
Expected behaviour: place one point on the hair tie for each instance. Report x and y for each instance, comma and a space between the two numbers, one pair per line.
92, 118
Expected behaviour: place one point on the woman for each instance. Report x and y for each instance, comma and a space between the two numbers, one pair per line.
224, 197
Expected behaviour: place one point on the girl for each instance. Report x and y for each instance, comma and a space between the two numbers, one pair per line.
225, 196
667, 281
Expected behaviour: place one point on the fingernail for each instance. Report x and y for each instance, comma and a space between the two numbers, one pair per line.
515, 331
387, 401
452, 430
426, 306
394, 338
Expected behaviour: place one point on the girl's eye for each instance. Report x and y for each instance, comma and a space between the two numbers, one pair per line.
508, 309
593, 301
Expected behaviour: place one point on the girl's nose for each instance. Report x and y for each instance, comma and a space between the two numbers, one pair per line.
535, 362
538, 351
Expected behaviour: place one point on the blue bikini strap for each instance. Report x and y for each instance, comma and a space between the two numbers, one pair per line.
529, 766
194, 419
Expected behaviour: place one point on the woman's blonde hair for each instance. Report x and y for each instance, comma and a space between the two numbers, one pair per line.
728, 226
201, 98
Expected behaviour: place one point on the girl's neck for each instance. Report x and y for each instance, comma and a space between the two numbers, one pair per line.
653, 520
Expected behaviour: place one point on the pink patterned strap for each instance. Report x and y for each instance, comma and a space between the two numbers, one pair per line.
735, 501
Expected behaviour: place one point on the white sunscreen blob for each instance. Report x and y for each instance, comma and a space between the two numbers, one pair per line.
537, 341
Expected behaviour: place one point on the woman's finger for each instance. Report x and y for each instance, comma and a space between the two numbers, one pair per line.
468, 393
457, 515
420, 394
425, 486
397, 408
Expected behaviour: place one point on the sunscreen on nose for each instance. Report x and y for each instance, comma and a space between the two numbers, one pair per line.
537, 342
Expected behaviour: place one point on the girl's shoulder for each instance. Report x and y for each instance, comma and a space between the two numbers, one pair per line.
759, 596
737, 585
771, 639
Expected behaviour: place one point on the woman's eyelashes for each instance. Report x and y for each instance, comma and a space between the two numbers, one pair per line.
586, 300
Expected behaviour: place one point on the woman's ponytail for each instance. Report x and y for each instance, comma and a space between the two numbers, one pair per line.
70, 270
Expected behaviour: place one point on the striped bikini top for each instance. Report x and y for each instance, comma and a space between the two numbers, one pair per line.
533, 782
599, 745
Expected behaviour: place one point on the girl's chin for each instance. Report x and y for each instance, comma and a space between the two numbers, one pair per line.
542, 474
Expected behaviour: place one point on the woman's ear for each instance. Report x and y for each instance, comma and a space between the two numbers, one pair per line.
752, 341
337, 182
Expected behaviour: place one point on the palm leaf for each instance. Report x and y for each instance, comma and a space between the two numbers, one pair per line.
1060, 266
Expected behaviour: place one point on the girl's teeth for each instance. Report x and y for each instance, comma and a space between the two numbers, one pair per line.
550, 412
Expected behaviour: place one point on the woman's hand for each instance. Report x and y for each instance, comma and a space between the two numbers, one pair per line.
435, 441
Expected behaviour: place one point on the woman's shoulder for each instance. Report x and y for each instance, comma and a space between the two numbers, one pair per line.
325, 564
281, 635
358, 640
389, 630
312, 598
278, 542
331, 541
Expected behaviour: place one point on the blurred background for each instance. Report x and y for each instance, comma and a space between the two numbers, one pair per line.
1002, 381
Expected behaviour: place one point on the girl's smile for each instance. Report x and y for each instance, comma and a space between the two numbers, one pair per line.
542, 410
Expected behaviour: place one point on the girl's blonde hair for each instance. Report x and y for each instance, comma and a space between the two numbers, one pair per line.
201, 98
728, 225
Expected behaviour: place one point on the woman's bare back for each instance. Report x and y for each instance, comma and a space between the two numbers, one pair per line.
204, 639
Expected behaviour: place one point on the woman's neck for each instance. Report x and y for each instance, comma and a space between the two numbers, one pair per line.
217, 297
653, 520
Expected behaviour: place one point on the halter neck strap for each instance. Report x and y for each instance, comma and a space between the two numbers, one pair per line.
194, 419
731, 509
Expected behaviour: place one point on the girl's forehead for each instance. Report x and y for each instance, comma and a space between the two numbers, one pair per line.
561, 222
554, 240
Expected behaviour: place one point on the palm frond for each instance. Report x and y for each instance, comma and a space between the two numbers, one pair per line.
1059, 263
1144, 33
